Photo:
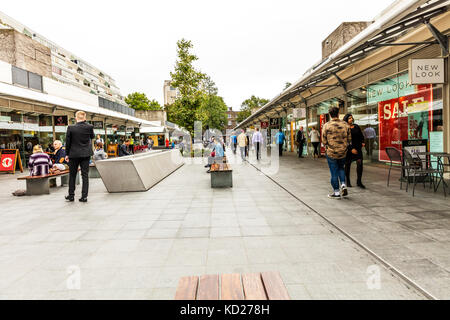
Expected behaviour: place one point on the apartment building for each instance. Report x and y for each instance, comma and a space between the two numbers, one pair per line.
42, 86
170, 93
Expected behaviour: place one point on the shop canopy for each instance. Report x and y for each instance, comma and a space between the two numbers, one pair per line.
155, 130
386, 29
7, 90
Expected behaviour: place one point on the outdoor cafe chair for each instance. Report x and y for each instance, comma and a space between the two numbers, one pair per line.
418, 167
394, 156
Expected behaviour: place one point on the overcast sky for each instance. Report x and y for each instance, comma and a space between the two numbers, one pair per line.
247, 47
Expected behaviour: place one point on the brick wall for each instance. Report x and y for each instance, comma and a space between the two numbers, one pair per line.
25, 53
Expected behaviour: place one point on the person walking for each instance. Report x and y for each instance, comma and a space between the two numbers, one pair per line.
354, 152
247, 145
315, 140
370, 135
336, 137
234, 143
78, 153
242, 142
300, 139
279, 140
257, 141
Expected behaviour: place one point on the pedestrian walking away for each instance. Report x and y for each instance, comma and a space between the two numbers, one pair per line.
354, 152
242, 142
279, 140
257, 142
315, 140
336, 137
79, 151
300, 140
234, 143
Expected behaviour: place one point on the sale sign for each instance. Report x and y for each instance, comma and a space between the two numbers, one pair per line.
404, 118
9, 160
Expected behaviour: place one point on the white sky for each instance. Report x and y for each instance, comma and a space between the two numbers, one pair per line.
247, 47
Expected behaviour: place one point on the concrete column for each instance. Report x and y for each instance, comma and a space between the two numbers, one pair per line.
446, 106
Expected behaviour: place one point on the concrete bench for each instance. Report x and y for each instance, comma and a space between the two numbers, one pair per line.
221, 175
93, 172
38, 185
138, 173
254, 286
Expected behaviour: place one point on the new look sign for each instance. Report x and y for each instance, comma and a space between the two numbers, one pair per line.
426, 71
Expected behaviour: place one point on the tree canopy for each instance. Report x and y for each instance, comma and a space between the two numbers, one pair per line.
198, 100
249, 105
139, 101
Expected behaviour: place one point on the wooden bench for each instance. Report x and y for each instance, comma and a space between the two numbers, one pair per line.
254, 286
38, 185
221, 175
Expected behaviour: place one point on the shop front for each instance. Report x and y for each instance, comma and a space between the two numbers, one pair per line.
390, 112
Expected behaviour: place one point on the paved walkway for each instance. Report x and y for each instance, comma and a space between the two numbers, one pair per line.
137, 246
412, 234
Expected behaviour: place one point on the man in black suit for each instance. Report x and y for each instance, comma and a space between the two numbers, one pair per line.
79, 151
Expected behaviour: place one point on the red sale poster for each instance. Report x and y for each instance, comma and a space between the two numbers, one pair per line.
404, 118
7, 162
323, 120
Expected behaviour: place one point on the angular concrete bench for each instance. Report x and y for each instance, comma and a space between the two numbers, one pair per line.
138, 173
38, 185
254, 286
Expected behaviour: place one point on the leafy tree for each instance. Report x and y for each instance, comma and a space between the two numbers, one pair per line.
186, 78
139, 101
213, 112
198, 99
249, 105
287, 85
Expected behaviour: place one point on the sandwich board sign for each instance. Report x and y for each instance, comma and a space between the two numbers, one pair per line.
10, 161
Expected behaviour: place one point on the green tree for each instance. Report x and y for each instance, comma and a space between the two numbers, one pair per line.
139, 101
198, 99
249, 105
287, 85
186, 78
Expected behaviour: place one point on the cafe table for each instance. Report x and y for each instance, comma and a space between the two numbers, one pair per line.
441, 165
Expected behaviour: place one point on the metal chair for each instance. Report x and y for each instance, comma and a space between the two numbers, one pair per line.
394, 156
419, 168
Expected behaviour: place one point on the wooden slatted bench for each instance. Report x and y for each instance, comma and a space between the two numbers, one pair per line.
254, 286
38, 185
221, 175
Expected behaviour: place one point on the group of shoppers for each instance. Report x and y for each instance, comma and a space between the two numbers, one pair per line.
343, 140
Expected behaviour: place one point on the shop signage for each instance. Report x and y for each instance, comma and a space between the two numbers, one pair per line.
404, 118
275, 122
426, 71
390, 89
436, 145
415, 146
264, 125
10, 161
60, 121
299, 113
97, 124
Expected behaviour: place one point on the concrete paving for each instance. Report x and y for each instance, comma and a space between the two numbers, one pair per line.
138, 245
410, 233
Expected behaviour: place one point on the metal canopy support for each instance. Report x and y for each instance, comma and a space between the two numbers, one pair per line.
341, 82
440, 38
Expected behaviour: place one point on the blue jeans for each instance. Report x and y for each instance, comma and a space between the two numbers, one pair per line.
337, 170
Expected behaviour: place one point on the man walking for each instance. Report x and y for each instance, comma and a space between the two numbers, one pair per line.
257, 141
234, 143
79, 151
300, 139
279, 140
242, 142
336, 137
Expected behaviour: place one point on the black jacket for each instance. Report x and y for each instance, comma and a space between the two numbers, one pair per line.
123, 150
79, 140
300, 137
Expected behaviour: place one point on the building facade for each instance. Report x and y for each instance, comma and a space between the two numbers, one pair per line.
231, 119
170, 93
42, 86
371, 77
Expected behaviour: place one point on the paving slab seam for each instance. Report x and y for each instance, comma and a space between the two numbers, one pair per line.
386, 264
